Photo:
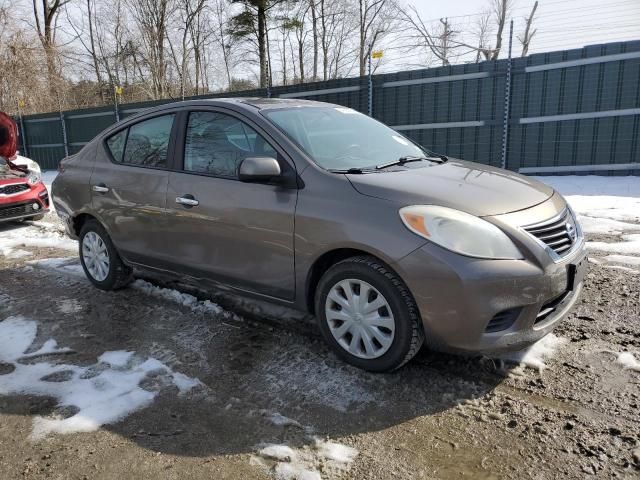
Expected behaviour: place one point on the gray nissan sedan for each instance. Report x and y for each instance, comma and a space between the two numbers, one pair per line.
321, 208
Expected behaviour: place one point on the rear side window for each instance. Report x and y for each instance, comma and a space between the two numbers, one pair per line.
145, 143
116, 144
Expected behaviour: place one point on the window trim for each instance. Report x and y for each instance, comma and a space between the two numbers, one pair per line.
288, 167
170, 147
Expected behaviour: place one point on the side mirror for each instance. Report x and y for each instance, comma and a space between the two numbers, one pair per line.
258, 169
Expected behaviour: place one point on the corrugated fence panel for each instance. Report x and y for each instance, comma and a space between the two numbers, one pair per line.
576, 107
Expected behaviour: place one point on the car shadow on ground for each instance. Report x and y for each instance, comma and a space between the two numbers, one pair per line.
250, 372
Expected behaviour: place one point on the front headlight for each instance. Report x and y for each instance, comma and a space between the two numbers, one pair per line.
459, 232
33, 178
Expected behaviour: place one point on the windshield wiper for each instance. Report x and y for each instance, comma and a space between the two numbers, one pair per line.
353, 170
403, 160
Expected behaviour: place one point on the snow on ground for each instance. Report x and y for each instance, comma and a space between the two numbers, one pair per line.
629, 244
614, 198
306, 463
624, 259
536, 355
206, 306
96, 395
68, 265
628, 361
13, 238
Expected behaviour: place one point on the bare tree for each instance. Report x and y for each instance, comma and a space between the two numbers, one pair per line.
483, 25
45, 27
525, 40
374, 20
151, 17
440, 40
501, 9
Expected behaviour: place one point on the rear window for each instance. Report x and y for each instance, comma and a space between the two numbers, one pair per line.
145, 143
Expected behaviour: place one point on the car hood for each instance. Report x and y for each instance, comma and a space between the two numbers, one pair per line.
471, 187
7, 173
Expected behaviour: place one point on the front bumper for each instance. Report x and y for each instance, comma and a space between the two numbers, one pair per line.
460, 298
23, 206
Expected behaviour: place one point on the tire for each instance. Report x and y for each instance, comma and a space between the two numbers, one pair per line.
116, 274
405, 329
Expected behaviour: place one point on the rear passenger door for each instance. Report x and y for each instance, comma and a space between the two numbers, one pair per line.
129, 186
240, 234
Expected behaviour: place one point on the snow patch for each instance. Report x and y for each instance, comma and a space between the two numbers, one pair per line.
628, 361
605, 226
535, 355
630, 244
625, 259
68, 265
22, 236
175, 296
624, 269
307, 463
68, 305
614, 198
100, 394
280, 420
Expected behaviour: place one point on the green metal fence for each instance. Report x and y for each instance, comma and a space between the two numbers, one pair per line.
568, 111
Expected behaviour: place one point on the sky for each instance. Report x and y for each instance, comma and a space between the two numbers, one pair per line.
561, 24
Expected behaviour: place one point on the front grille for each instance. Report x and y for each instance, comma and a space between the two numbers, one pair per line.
558, 233
14, 188
503, 320
16, 210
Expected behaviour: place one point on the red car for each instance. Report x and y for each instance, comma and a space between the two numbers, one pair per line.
22, 193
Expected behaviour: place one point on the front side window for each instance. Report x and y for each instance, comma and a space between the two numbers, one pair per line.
341, 138
147, 143
217, 143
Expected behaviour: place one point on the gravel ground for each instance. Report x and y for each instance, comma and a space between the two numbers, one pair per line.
440, 417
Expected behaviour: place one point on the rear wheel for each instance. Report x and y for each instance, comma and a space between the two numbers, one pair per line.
100, 260
367, 315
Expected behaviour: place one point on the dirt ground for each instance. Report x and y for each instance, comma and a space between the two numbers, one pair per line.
441, 416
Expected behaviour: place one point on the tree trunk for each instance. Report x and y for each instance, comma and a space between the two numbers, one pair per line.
314, 23
362, 58
262, 46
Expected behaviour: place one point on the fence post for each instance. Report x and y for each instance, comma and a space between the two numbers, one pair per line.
22, 132
64, 134
370, 85
507, 102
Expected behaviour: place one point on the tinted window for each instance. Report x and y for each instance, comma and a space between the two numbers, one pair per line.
116, 144
148, 142
217, 143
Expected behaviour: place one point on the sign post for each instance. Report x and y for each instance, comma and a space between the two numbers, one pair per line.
372, 54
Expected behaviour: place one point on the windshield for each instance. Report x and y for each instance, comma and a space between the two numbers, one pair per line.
339, 138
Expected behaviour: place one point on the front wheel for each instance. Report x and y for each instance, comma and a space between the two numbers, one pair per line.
367, 315
100, 260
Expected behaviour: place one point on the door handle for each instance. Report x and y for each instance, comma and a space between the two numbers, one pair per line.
187, 201
100, 188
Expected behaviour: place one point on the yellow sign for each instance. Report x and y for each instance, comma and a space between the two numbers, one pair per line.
118, 90
21, 103
377, 54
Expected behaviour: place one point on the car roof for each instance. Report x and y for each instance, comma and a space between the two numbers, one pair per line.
259, 103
